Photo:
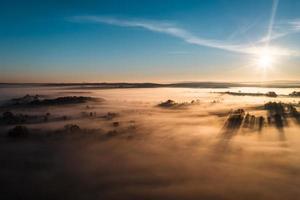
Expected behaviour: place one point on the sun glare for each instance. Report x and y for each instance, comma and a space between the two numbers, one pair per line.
265, 59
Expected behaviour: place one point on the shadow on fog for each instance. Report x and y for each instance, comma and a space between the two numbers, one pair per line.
238, 121
277, 116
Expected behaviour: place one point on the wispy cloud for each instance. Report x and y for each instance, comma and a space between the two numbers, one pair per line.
175, 31
295, 25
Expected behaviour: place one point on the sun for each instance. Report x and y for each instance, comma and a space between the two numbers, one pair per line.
265, 59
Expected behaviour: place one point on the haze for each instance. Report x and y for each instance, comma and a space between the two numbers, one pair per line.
140, 99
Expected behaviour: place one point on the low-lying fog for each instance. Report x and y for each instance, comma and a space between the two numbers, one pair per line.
138, 150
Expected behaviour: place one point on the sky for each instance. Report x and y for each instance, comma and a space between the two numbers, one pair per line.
149, 40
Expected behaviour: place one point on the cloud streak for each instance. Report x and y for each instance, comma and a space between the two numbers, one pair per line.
175, 31
283, 29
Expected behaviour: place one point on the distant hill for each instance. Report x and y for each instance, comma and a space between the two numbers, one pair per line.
104, 85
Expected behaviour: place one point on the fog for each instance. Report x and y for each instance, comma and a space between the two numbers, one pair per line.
138, 150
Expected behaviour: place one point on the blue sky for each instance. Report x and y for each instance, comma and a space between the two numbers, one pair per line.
158, 40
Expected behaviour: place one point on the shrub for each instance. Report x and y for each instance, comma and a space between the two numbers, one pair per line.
19, 132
